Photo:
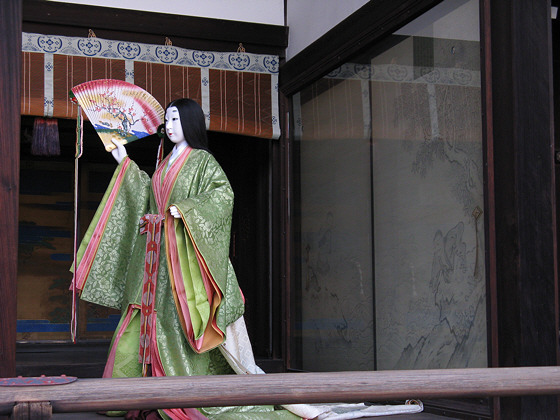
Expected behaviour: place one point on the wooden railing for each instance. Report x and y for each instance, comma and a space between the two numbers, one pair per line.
86, 395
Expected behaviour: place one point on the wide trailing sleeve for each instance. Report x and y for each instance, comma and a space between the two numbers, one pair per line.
204, 284
106, 248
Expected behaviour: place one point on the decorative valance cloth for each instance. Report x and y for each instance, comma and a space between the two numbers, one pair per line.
238, 91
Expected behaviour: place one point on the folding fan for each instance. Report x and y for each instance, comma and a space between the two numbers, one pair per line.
118, 110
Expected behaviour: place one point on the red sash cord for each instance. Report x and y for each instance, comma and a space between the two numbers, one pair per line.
150, 224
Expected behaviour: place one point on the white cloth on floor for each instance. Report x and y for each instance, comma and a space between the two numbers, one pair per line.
238, 352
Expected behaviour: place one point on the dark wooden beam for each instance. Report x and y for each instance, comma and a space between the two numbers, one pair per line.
489, 196
523, 191
284, 388
10, 53
191, 32
374, 21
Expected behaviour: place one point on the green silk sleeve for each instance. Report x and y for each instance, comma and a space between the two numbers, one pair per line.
111, 235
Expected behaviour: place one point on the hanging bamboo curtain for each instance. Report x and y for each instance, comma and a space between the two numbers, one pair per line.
237, 91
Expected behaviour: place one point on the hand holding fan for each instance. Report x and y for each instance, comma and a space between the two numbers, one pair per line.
118, 110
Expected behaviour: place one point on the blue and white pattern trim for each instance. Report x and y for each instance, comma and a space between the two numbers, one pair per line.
48, 103
164, 54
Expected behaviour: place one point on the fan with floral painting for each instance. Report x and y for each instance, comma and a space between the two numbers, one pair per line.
118, 110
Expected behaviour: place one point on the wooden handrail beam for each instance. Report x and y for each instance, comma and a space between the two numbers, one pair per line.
284, 388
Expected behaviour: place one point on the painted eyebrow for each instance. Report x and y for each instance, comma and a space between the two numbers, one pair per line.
172, 110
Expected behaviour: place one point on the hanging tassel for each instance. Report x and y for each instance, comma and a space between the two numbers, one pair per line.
39, 142
52, 137
45, 141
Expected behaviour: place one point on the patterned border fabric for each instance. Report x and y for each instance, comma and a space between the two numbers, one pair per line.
37, 380
237, 91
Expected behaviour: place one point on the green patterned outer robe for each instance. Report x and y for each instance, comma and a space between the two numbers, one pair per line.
111, 262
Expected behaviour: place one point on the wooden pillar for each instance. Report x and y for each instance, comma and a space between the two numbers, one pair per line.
523, 190
10, 63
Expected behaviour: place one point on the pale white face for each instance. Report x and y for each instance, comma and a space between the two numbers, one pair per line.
173, 126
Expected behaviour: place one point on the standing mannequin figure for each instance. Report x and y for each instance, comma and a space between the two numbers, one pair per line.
158, 250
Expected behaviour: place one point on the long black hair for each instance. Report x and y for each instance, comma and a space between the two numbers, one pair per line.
192, 121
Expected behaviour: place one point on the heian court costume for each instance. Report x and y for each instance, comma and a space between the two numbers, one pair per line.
171, 277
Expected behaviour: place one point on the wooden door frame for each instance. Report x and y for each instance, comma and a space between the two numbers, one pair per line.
10, 53
521, 184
